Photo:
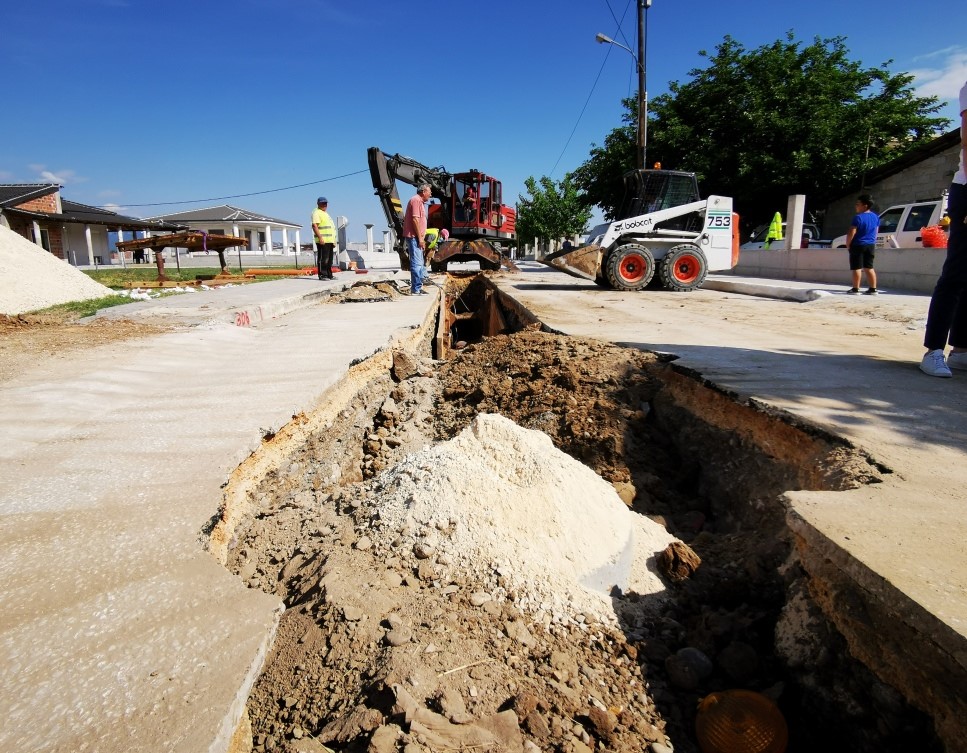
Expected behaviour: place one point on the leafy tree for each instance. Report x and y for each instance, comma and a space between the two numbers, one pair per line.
551, 210
759, 125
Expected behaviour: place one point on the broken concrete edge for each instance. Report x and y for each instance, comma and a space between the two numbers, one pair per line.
235, 732
238, 500
238, 495
689, 381
919, 648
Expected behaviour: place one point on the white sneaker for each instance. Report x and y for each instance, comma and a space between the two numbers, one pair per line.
957, 360
933, 364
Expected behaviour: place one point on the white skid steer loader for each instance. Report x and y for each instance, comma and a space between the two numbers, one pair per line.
666, 233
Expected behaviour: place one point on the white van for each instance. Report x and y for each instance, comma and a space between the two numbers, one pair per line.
900, 225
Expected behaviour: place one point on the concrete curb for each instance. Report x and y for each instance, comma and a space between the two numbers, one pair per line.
800, 295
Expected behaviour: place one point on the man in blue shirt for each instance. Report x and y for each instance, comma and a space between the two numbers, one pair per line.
861, 242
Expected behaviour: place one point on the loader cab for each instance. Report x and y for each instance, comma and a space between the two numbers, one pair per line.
649, 191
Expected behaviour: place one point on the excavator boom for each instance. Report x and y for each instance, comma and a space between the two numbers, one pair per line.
477, 228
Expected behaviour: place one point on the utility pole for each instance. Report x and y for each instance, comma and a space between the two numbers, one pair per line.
643, 6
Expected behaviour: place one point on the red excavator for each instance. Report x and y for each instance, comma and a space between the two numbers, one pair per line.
470, 207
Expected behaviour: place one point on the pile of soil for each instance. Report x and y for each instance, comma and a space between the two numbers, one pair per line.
388, 645
32, 278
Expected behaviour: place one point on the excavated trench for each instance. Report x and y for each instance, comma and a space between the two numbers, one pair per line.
391, 645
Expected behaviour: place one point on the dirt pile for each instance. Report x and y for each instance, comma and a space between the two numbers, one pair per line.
395, 640
31, 278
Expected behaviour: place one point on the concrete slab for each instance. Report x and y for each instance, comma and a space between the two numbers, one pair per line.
117, 631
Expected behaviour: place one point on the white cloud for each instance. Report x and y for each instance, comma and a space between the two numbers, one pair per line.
112, 207
64, 177
944, 80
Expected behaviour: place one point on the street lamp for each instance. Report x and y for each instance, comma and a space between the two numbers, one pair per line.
640, 62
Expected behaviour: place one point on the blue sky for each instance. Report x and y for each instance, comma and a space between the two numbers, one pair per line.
131, 102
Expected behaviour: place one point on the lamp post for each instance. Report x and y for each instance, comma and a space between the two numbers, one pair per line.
640, 61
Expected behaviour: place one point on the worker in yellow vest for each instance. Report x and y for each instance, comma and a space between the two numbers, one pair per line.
324, 230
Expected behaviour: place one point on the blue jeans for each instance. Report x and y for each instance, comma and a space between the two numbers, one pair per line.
417, 270
947, 317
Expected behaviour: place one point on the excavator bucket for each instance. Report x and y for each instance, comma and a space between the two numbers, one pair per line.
480, 251
583, 262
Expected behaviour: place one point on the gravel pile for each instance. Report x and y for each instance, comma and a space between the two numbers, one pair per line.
31, 278
502, 499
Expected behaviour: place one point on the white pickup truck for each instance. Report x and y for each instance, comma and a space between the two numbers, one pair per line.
900, 225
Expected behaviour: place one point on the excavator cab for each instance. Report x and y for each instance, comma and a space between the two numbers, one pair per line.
477, 203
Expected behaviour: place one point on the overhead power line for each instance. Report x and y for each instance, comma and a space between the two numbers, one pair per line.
593, 86
244, 195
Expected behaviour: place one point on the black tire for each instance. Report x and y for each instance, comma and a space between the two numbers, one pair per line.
629, 267
683, 268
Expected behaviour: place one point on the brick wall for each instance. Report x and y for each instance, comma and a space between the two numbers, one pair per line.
55, 234
43, 204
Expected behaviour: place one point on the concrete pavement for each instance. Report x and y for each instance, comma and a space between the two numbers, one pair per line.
118, 632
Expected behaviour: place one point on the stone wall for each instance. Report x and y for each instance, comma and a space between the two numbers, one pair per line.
925, 180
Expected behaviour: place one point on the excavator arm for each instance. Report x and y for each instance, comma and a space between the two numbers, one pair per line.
386, 170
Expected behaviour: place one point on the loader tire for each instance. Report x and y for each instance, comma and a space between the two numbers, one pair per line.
683, 268
629, 267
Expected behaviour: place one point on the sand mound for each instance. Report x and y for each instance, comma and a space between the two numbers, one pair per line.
501, 498
31, 278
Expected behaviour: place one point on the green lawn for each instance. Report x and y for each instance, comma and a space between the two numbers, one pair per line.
118, 278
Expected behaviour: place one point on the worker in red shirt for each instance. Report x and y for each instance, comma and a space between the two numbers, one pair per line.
414, 228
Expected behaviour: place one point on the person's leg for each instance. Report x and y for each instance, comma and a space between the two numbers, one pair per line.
329, 249
320, 253
416, 262
416, 268
947, 316
855, 268
871, 277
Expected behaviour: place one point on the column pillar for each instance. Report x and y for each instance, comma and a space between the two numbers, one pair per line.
298, 244
369, 238
120, 252
285, 241
268, 239
90, 244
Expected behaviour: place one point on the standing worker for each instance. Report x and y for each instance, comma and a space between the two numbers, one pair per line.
414, 230
324, 230
861, 242
947, 316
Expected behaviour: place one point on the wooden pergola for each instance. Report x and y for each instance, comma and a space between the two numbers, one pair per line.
193, 241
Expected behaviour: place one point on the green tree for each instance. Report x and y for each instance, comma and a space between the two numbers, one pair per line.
786, 117
551, 210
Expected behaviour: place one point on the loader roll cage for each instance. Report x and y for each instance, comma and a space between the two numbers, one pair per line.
649, 191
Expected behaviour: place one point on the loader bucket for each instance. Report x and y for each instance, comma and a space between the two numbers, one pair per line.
583, 262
